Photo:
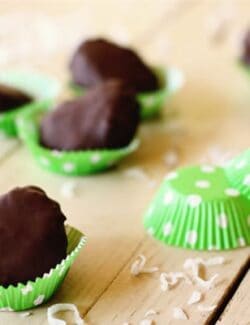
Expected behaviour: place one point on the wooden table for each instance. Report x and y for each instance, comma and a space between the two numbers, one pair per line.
210, 114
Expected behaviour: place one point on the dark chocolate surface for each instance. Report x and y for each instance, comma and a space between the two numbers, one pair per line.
11, 98
98, 60
107, 116
33, 238
246, 48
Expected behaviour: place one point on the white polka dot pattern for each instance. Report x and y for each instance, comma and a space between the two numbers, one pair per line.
241, 242
202, 184
232, 192
194, 200
246, 180
222, 220
68, 167
168, 198
191, 237
167, 229
39, 300
95, 158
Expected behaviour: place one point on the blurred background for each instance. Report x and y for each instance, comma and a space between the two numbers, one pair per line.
202, 38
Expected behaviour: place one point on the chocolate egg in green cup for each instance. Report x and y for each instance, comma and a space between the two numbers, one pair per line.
98, 60
37, 248
86, 135
20, 91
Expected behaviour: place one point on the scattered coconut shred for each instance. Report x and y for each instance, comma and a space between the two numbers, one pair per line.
171, 158
138, 266
169, 280
151, 312
68, 190
26, 314
195, 266
52, 310
195, 298
206, 308
179, 313
139, 174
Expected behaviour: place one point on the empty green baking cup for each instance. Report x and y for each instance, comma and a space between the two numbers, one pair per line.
151, 103
40, 87
67, 162
238, 172
37, 292
197, 207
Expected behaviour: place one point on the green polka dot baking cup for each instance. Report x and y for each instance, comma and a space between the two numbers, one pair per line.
67, 162
245, 67
35, 293
171, 80
238, 172
197, 208
151, 103
40, 87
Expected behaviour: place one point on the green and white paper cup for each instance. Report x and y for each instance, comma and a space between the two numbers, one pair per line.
151, 103
40, 87
245, 67
171, 80
37, 292
238, 173
197, 208
67, 162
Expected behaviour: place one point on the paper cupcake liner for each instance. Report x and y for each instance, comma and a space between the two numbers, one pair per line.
42, 88
151, 103
238, 173
35, 293
244, 67
67, 162
197, 208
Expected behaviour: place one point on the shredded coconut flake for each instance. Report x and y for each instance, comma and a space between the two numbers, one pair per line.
195, 264
68, 189
26, 314
217, 260
178, 313
147, 322
195, 297
207, 284
63, 307
139, 173
138, 266
151, 312
171, 158
203, 308
169, 280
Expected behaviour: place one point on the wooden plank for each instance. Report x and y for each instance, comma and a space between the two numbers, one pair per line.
109, 207
237, 311
131, 297
7, 146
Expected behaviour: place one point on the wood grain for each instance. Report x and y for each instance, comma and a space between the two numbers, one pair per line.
237, 312
210, 113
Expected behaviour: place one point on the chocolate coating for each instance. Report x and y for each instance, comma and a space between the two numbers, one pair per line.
245, 57
107, 116
98, 60
33, 238
11, 98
